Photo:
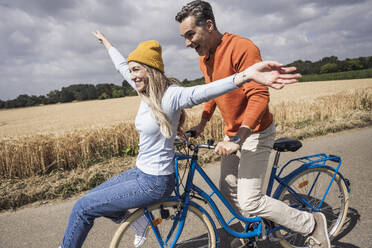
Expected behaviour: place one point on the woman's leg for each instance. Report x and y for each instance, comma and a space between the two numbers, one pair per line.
133, 190
124, 176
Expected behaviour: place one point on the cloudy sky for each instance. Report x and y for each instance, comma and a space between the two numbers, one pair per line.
47, 44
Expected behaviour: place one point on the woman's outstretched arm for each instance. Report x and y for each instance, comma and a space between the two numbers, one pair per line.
101, 38
116, 57
269, 73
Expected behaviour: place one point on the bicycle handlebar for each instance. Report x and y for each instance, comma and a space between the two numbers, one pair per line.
206, 146
192, 134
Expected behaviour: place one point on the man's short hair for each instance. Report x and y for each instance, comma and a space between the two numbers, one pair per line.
201, 10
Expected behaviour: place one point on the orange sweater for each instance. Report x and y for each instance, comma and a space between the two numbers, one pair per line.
247, 105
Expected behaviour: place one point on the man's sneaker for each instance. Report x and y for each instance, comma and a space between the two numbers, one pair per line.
140, 227
319, 237
238, 243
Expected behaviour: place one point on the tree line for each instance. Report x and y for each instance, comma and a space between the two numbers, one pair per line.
76, 92
332, 64
82, 92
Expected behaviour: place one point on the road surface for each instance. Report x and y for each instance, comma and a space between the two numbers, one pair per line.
43, 226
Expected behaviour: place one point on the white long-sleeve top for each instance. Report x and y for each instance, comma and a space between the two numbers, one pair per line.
156, 152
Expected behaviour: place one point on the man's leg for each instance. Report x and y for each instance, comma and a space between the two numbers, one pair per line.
252, 169
229, 179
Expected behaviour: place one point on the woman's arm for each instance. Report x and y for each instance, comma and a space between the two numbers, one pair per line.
267, 73
116, 57
101, 38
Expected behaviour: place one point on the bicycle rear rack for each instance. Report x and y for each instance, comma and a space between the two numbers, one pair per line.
319, 159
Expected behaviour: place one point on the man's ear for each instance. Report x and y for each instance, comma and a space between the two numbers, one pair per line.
209, 25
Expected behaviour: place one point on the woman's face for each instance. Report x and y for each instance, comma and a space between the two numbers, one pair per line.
138, 75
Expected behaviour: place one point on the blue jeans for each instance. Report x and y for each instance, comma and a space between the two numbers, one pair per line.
112, 199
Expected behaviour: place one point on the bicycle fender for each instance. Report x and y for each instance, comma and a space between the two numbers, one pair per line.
194, 204
289, 177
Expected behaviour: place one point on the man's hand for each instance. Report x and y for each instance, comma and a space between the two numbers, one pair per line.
199, 128
226, 148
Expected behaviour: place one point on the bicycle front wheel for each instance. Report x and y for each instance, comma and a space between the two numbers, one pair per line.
311, 184
198, 230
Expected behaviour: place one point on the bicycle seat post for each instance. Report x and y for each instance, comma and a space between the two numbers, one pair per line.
276, 160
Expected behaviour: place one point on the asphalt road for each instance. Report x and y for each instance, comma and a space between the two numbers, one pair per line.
43, 225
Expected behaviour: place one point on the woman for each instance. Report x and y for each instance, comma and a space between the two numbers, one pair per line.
157, 120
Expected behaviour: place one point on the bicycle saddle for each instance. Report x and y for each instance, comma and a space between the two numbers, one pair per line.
287, 144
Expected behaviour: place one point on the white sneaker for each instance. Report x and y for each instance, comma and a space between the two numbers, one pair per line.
140, 228
319, 237
238, 243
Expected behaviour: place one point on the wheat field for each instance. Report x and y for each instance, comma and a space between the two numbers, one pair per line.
39, 140
60, 118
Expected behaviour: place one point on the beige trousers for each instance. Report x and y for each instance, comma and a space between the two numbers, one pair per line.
241, 181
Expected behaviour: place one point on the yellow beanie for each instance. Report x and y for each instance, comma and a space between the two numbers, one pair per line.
148, 53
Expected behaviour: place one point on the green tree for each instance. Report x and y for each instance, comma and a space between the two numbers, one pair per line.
327, 68
185, 82
104, 88
53, 97
103, 96
32, 101
331, 59
354, 64
42, 99
128, 90
22, 101
66, 95
116, 93
83, 92
364, 62
369, 63
11, 104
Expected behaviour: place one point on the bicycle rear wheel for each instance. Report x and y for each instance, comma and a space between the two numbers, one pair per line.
311, 184
198, 231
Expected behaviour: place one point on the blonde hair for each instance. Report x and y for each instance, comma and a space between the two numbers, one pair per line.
158, 83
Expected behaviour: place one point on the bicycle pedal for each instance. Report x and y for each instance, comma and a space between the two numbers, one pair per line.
251, 245
164, 212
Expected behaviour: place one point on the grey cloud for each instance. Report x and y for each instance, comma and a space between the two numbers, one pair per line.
42, 8
47, 44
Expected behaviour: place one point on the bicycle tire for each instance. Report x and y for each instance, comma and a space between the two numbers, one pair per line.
334, 207
191, 235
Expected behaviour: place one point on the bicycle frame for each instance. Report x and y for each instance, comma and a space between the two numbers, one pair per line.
312, 161
190, 186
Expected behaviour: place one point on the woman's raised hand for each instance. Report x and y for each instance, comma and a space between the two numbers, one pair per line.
269, 73
101, 38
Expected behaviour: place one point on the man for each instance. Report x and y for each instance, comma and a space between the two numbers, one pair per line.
249, 126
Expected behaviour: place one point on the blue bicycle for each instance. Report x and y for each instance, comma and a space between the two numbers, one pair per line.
312, 185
